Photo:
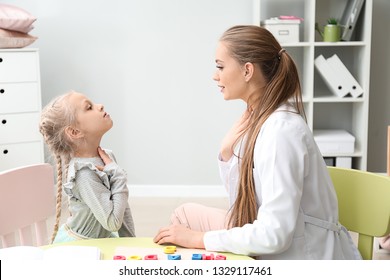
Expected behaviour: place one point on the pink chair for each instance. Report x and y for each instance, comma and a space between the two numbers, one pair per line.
27, 200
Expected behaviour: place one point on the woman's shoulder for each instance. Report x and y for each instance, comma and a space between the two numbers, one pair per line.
284, 119
286, 126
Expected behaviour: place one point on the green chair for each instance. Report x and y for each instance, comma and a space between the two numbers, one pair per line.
364, 205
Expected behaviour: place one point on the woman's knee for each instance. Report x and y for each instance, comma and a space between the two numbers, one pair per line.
183, 213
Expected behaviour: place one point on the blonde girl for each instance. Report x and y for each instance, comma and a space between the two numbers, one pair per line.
72, 127
283, 204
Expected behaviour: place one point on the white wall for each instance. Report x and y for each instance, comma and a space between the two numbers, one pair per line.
150, 62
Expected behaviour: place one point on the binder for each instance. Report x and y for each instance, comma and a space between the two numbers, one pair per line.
349, 18
331, 78
349, 81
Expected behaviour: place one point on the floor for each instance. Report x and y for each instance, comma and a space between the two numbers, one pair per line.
152, 213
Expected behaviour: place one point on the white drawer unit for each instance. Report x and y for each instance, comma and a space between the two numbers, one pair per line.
14, 155
19, 98
18, 66
20, 106
16, 128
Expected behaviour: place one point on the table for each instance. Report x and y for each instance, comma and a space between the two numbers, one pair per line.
109, 247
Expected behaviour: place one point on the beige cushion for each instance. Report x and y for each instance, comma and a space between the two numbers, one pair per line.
14, 39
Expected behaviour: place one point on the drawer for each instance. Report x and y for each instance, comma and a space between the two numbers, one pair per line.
21, 97
19, 128
18, 67
16, 155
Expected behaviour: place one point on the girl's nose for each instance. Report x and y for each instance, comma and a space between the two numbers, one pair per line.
101, 107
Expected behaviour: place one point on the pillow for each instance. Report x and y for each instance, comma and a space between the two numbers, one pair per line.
14, 39
15, 19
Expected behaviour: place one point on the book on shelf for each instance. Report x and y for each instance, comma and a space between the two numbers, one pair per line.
349, 18
50, 253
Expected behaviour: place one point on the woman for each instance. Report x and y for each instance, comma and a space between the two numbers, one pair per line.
283, 204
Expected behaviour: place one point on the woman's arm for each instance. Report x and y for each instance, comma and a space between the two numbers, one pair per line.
180, 235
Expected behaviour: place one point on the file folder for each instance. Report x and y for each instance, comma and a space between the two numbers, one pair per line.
349, 18
331, 78
349, 81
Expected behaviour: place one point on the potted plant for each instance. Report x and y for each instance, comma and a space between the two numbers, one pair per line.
332, 30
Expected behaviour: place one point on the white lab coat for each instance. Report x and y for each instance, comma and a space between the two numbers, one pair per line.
298, 211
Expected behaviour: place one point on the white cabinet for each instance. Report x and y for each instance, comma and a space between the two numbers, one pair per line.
324, 110
20, 106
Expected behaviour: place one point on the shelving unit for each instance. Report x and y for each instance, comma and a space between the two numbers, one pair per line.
20, 105
323, 109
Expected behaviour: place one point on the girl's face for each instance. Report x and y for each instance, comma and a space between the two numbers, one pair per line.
230, 75
92, 120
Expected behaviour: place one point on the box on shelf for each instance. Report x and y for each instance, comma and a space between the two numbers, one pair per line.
284, 30
342, 161
332, 141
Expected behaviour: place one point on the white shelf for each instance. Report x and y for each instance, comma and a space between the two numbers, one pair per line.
339, 44
323, 109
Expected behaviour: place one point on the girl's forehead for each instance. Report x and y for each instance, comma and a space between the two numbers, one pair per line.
78, 98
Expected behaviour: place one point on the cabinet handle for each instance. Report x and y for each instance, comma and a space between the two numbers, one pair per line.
4, 121
1, 60
5, 151
2, 91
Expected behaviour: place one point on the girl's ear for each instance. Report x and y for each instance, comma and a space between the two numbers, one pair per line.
248, 71
73, 133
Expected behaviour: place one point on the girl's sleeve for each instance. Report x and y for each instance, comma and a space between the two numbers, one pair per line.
127, 229
120, 178
106, 194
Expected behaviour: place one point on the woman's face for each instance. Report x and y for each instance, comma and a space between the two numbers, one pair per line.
230, 75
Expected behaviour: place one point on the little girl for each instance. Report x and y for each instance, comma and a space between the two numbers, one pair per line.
72, 127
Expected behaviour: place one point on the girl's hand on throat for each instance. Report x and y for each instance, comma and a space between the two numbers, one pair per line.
105, 158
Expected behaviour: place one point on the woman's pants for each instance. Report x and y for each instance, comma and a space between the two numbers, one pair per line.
199, 217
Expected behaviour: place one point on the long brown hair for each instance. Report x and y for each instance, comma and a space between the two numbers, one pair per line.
55, 117
255, 44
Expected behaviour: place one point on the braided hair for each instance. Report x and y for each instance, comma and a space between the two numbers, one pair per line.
56, 116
